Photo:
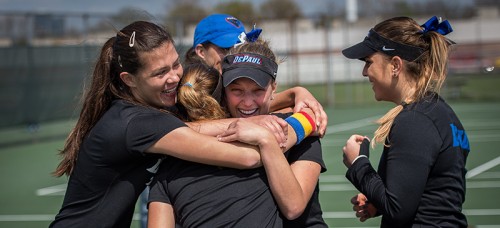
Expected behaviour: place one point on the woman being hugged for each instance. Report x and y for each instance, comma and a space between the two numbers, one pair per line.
421, 175
282, 193
123, 132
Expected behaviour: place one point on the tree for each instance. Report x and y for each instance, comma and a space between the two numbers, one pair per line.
280, 9
119, 20
242, 10
128, 15
184, 13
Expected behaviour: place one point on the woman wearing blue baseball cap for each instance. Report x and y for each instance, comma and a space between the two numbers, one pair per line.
213, 37
420, 180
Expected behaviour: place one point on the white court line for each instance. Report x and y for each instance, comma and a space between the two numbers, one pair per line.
370, 120
488, 175
26, 218
39, 218
59, 189
349, 187
351, 125
326, 215
332, 178
483, 184
482, 168
336, 187
338, 183
477, 212
52, 190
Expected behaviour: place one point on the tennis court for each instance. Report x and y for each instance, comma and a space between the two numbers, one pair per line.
30, 196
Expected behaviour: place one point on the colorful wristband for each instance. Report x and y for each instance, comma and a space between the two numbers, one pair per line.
310, 120
302, 124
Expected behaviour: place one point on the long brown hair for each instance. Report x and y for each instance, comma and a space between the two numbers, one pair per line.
119, 54
428, 71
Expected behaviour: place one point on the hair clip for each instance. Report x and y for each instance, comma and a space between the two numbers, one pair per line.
437, 25
131, 42
120, 61
188, 84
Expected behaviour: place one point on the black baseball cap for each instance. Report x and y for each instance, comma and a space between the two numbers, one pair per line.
374, 42
254, 66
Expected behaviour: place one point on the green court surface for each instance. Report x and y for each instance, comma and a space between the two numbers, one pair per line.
30, 196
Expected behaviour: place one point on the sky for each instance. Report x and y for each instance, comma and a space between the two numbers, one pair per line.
79, 6
155, 7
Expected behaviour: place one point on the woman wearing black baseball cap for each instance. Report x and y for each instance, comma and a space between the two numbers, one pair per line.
216, 33
282, 193
420, 180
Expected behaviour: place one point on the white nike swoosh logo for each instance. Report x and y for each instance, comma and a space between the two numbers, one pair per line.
387, 49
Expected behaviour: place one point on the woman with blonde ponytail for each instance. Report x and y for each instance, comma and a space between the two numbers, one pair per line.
199, 93
420, 180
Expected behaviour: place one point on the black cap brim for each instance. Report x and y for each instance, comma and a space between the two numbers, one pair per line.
358, 51
260, 77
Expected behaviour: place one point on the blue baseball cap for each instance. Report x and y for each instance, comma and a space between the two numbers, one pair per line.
219, 29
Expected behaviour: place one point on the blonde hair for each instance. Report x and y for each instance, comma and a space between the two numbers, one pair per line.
195, 93
428, 72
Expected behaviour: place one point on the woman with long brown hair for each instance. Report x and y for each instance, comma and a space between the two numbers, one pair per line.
123, 132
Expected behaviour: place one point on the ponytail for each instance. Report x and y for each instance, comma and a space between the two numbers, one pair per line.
428, 71
95, 102
385, 124
118, 54
195, 93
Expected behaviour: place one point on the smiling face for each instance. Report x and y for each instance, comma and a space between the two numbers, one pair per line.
244, 98
379, 70
156, 82
211, 54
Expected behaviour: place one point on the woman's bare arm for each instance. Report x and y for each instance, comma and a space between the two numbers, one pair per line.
187, 144
299, 98
160, 215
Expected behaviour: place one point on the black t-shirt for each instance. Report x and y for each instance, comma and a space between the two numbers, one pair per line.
421, 176
112, 167
210, 196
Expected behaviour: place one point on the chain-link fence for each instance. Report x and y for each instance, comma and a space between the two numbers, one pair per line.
46, 58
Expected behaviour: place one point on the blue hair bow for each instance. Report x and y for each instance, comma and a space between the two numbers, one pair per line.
436, 25
253, 35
